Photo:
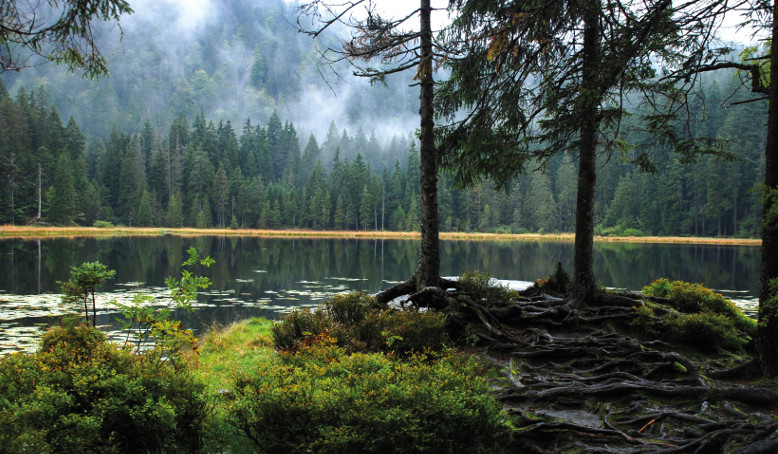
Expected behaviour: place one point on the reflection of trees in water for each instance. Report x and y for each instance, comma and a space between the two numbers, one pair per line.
635, 265
289, 261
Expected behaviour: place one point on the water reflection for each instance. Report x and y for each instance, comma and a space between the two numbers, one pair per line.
262, 276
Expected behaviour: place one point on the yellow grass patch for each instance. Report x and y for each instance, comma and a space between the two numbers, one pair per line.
26, 232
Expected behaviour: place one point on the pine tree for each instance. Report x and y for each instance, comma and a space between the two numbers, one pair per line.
175, 213
144, 214
62, 204
221, 195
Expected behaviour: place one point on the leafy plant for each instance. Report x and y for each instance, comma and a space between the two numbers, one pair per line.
80, 393
146, 323
84, 280
357, 323
475, 283
699, 317
695, 298
320, 399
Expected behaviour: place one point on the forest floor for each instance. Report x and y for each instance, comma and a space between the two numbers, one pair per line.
37, 232
587, 381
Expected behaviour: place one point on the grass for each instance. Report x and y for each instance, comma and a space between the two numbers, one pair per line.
27, 232
226, 351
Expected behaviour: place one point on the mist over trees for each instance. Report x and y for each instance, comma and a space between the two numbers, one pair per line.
202, 173
223, 114
230, 60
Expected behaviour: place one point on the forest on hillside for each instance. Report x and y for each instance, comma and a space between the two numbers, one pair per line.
230, 119
203, 173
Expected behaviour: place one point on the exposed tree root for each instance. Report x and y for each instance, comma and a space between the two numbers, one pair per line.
577, 381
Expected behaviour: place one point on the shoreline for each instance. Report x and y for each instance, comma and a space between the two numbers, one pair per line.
33, 233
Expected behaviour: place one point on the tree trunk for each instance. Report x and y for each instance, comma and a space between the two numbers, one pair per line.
589, 102
40, 192
94, 310
767, 330
428, 272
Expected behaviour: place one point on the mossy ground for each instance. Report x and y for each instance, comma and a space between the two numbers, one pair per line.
227, 351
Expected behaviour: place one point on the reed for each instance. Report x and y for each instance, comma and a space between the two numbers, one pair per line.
35, 232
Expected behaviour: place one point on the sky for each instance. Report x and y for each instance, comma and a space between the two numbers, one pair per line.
729, 32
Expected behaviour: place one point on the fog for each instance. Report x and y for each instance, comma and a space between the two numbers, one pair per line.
229, 59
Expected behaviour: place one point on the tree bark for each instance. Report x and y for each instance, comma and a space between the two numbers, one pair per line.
583, 273
428, 271
767, 330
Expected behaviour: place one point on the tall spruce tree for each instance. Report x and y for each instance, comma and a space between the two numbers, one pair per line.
542, 77
62, 206
379, 38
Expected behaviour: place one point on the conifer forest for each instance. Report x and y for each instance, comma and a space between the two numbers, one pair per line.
187, 137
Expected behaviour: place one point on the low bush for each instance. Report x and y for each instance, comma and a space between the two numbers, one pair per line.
616, 230
699, 317
633, 232
705, 331
79, 393
102, 224
358, 324
320, 399
481, 284
503, 230
694, 298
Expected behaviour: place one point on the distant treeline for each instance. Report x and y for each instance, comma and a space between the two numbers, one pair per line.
203, 174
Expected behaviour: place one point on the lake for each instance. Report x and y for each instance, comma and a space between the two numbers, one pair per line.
270, 276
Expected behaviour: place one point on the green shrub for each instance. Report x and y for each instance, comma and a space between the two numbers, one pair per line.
102, 224
503, 230
694, 298
704, 330
319, 399
633, 232
358, 324
699, 317
300, 326
350, 308
412, 331
475, 283
660, 287
616, 230
79, 393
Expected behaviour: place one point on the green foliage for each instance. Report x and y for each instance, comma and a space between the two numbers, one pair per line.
705, 330
358, 324
84, 280
147, 323
102, 224
755, 55
319, 399
616, 230
79, 393
61, 32
300, 326
695, 298
700, 317
633, 232
476, 283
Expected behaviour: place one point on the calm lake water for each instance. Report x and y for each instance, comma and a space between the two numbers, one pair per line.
267, 277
